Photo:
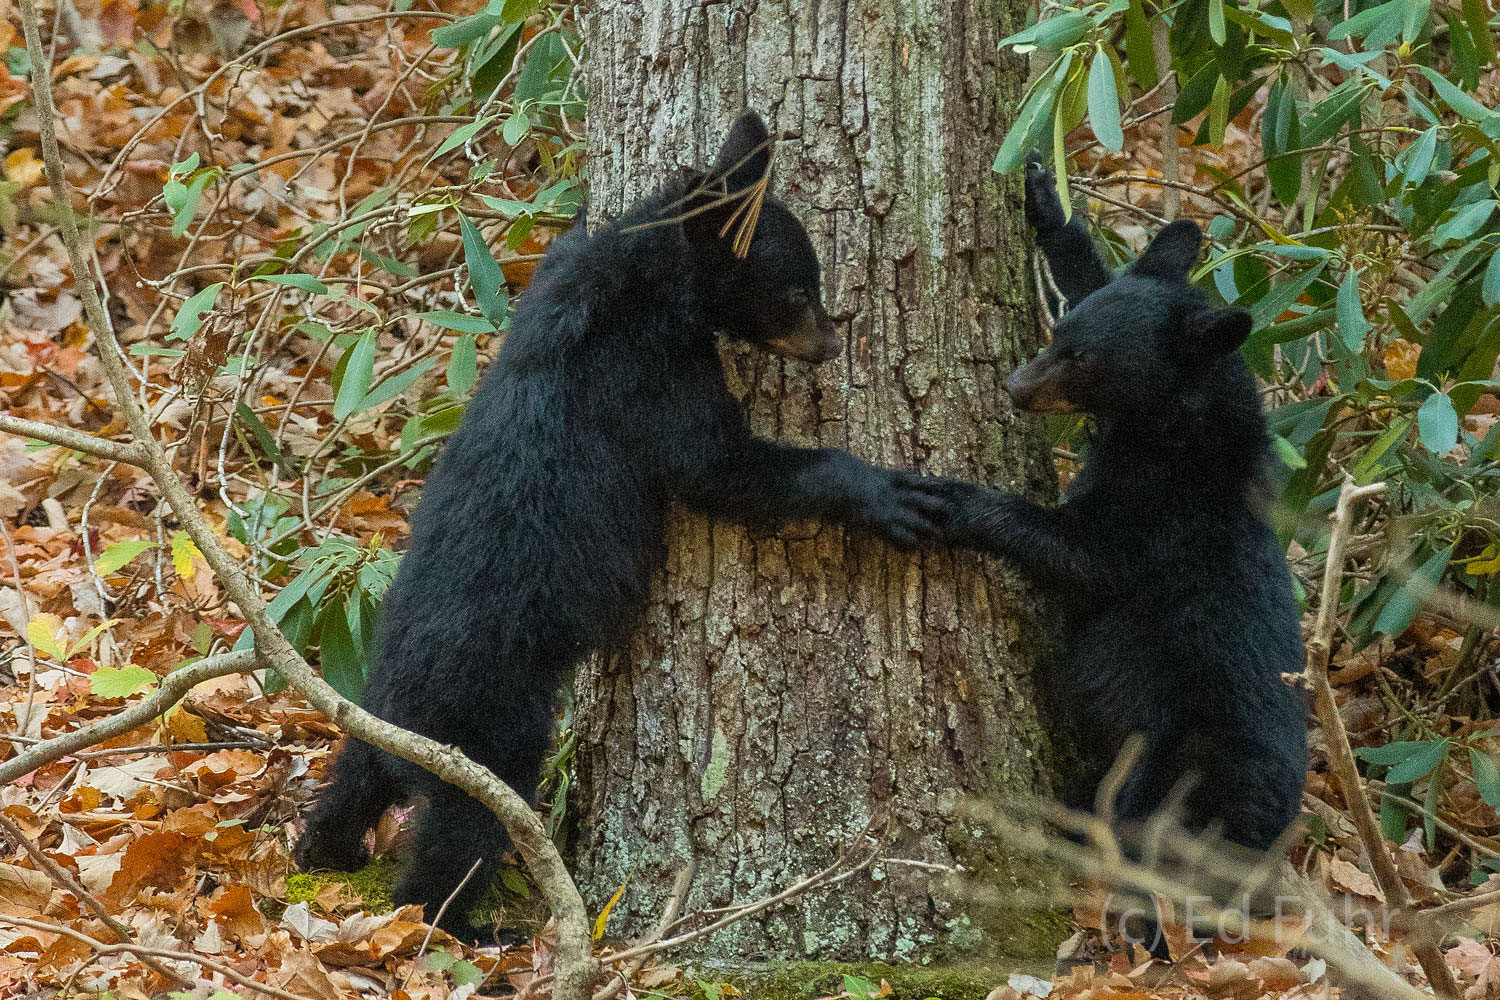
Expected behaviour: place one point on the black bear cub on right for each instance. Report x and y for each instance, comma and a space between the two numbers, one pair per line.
543, 521
1178, 613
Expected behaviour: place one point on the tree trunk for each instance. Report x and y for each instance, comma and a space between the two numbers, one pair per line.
785, 691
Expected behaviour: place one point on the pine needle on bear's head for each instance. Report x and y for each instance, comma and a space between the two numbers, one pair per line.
747, 201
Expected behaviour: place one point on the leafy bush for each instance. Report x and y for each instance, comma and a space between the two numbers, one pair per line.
1347, 157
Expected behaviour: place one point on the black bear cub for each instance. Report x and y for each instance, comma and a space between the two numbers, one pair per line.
1178, 617
541, 524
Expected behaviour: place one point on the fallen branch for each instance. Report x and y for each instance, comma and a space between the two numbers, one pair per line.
1460, 906
1336, 737
575, 968
168, 693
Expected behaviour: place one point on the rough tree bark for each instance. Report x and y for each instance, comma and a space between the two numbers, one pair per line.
786, 690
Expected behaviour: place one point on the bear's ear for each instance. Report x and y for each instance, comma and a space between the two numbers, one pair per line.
1216, 332
726, 203
745, 157
1172, 254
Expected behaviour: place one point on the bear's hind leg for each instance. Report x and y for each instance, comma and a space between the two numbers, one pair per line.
453, 834
361, 788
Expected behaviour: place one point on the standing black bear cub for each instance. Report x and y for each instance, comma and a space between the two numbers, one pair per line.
1178, 613
543, 521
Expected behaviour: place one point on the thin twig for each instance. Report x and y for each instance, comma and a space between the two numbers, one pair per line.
1336, 737
89, 444
438, 916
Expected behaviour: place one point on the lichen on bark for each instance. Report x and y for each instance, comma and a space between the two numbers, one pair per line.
787, 689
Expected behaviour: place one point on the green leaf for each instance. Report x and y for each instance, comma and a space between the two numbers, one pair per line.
1414, 18
262, 433
1218, 112
1486, 777
359, 371
1352, 323
484, 274
294, 591
1383, 17
1036, 110
1437, 424
1491, 285
1397, 615
1466, 221
515, 128
1419, 156
1104, 102
1059, 148
462, 365
1341, 106
1276, 301
465, 32
189, 317
1054, 34
120, 553
305, 282
461, 135
339, 657
395, 385
1424, 756
1477, 18
1288, 452
1281, 134
466, 973
1394, 753
1393, 819
515, 882
182, 201
449, 320
121, 682
1216, 21
1456, 99
1138, 48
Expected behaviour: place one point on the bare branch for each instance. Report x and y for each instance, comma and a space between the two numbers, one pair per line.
115, 451
168, 693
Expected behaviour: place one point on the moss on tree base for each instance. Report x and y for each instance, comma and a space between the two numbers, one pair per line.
805, 980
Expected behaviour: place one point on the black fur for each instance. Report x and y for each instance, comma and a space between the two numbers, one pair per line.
1178, 613
543, 521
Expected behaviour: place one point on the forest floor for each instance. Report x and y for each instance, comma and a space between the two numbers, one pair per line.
179, 830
